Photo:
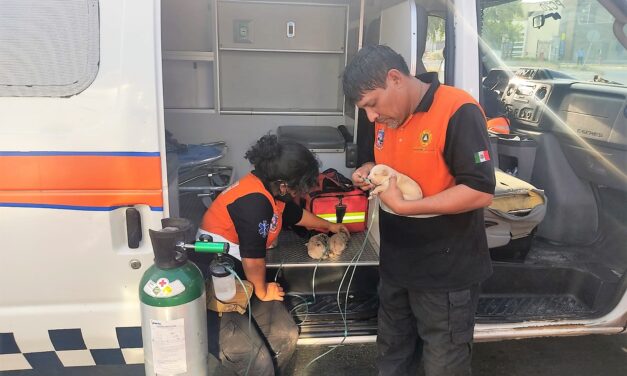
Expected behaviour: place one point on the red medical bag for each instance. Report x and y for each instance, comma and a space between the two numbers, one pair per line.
337, 200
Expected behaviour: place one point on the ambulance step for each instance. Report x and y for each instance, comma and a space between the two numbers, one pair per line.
531, 306
359, 306
320, 316
314, 329
292, 252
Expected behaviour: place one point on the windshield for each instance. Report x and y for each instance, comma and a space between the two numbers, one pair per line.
575, 38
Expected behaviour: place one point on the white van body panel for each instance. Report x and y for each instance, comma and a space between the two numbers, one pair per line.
118, 112
466, 52
69, 266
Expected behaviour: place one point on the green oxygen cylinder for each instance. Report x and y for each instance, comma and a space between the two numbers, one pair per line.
173, 305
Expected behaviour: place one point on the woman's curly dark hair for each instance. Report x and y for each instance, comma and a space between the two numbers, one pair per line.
286, 160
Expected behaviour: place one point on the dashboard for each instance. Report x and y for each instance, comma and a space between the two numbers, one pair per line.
539, 98
523, 100
588, 118
528, 92
523, 94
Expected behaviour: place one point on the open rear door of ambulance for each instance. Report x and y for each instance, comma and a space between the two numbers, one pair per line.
81, 178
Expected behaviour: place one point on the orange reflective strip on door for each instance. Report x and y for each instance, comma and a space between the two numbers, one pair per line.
82, 179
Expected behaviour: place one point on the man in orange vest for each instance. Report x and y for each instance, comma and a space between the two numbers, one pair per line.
430, 267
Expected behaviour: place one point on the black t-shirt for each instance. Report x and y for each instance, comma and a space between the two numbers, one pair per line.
446, 251
247, 212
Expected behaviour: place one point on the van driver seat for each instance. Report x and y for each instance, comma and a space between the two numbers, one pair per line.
516, 209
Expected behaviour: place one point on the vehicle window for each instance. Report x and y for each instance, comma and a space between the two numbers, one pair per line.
49, 48
433, 57
574, 38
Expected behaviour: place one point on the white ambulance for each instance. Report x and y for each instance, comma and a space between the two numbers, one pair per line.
115, 114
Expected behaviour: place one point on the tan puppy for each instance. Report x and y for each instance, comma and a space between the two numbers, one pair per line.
337, 244
323, 247
380, 175
318, 247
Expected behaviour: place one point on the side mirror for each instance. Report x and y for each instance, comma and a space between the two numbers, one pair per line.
538, 21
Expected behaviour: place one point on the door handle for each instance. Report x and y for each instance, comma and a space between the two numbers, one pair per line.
133, 227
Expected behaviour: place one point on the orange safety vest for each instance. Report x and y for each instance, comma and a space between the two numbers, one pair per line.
218, 221
416, 148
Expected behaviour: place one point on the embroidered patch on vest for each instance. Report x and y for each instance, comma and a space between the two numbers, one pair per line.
264, 227
482, 156
425, 138
379, 142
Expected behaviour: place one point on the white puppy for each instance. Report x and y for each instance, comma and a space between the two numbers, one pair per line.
380, 175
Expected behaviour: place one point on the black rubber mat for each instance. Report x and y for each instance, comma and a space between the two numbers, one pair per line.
531, 306
325, 306
511, 308
320, 317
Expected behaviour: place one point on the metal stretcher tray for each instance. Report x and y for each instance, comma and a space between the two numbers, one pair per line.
292, 252
208, 178
193, 155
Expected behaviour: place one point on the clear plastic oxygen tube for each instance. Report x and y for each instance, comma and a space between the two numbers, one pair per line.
224, 287
352, 264
250, 318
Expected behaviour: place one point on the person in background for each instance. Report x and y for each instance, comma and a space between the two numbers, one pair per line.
430, 267
580, 55
249, 216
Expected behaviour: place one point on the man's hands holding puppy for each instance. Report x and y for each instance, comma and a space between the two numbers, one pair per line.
457, 199
392, 196
360, 175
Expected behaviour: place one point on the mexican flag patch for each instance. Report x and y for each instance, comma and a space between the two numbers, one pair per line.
482, 156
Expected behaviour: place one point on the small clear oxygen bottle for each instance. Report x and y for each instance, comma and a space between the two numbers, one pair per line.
220, 268
223, 280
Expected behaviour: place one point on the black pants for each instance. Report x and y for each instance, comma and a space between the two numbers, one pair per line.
272, 338
433, 326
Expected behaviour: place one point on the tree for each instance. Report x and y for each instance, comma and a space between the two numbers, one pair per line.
499, 24
435, 29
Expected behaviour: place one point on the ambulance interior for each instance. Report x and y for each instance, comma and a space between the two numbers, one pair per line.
236, 70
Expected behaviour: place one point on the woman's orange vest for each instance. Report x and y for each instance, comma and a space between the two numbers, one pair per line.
218, 221
416, 148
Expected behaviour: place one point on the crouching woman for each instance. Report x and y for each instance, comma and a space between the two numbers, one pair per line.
249, 215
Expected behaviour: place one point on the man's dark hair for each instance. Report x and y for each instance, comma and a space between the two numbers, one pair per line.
368, 70
287, 161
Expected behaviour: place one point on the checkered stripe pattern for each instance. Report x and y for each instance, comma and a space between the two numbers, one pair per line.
70, 351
